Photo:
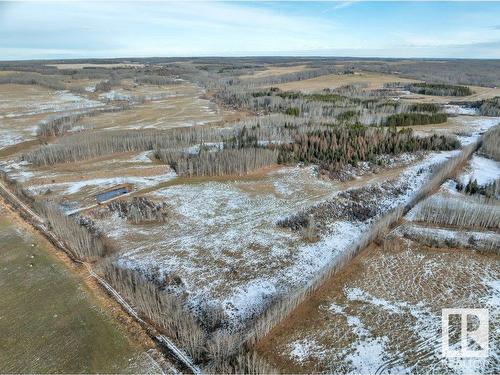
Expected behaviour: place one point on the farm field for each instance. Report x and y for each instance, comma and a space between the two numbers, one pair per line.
382, 312
367, 80
43, 301
253, 215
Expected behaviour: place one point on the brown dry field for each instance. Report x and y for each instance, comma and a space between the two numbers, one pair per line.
374, 81
184, 107
404, 276
22, 107
275, 70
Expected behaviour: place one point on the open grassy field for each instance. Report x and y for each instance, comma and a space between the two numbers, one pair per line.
22, 107
368, 79
466, 127
50, 320
479, 93
275, 70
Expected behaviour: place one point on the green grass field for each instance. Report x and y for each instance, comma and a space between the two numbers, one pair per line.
49, 322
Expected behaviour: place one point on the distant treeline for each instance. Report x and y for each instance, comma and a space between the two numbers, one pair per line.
50, 82
157, 80
439, 89
343, 105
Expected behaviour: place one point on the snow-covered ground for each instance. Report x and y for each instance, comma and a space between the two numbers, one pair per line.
482, 169
442, 237
224, 243
20, 112
58, 101
74, 187
475, 126
459, 110
387, 319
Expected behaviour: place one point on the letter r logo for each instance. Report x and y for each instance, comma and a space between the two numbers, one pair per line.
472, 328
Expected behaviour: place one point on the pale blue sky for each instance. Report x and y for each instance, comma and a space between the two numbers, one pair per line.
345, 28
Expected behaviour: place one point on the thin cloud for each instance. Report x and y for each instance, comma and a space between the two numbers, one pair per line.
341, 5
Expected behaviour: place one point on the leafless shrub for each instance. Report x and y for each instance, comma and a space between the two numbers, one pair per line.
140, 210
310, 232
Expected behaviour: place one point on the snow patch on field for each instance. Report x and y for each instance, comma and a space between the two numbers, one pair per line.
441, 237
9, 138
69, 188
482, 169
459, 110
60, 101
478, 126
306, 349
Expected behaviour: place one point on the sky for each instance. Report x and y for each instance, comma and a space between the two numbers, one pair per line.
57, 29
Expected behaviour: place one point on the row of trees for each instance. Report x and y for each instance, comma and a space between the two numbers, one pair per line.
267, 129
220, 163
59, 125
220, 351
415, 118
459, 212
51, 82
439, 89
80, 235
452, 238
490, 145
